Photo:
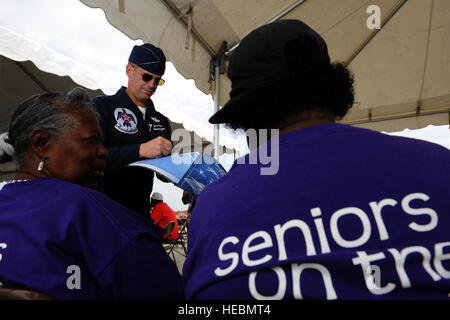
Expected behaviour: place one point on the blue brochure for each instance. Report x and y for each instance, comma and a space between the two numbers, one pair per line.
189, 171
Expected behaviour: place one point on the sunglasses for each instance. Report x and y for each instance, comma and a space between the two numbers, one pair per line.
147, 77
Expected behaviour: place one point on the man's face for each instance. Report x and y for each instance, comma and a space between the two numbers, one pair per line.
139, 84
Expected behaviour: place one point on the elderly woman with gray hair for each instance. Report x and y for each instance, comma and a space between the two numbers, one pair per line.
59, 237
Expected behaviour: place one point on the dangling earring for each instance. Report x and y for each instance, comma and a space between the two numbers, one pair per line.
41, 165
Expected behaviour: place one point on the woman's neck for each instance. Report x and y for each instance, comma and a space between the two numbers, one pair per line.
304, 124
23, 174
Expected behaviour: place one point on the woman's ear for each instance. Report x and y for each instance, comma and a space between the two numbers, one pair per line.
40, 142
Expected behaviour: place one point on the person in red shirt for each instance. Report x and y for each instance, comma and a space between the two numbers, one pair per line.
162, 214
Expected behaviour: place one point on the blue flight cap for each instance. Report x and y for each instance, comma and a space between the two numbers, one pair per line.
149, 58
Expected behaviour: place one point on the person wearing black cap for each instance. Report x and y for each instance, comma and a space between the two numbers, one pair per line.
348, 215
134, 130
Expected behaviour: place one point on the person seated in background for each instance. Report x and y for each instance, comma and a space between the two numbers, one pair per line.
350, 213
162, 214
60, 237
188, 199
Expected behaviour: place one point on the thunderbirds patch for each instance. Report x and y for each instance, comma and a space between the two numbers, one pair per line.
126, 120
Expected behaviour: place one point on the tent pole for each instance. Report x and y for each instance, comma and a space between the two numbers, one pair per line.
216, 108
177, 14
276, 18
31, 76
368, 40
413, 114
217, 66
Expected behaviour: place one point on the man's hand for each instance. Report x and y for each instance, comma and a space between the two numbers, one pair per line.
155, 148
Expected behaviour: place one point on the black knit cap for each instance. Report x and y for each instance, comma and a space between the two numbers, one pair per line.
149, 58
260, 59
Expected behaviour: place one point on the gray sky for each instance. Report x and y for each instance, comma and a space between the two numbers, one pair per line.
67, 26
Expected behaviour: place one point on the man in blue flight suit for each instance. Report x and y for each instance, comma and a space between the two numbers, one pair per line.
134, 130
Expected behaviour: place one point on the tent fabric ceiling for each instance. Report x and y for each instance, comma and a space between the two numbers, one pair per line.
28, 68
402, 71
20, 80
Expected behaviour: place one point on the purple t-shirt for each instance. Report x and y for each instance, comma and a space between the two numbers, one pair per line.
350, 214
71, 242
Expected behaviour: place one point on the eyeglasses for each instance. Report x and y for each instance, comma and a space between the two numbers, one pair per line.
147, 77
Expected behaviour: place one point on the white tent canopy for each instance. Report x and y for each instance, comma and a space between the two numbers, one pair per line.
49, 71
402, 71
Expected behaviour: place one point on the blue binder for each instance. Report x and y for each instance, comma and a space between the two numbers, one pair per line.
188, 171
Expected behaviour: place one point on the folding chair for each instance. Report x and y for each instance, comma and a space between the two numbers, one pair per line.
181, 241
168, 228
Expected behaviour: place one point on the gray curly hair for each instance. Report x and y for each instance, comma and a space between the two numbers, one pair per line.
48, 111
